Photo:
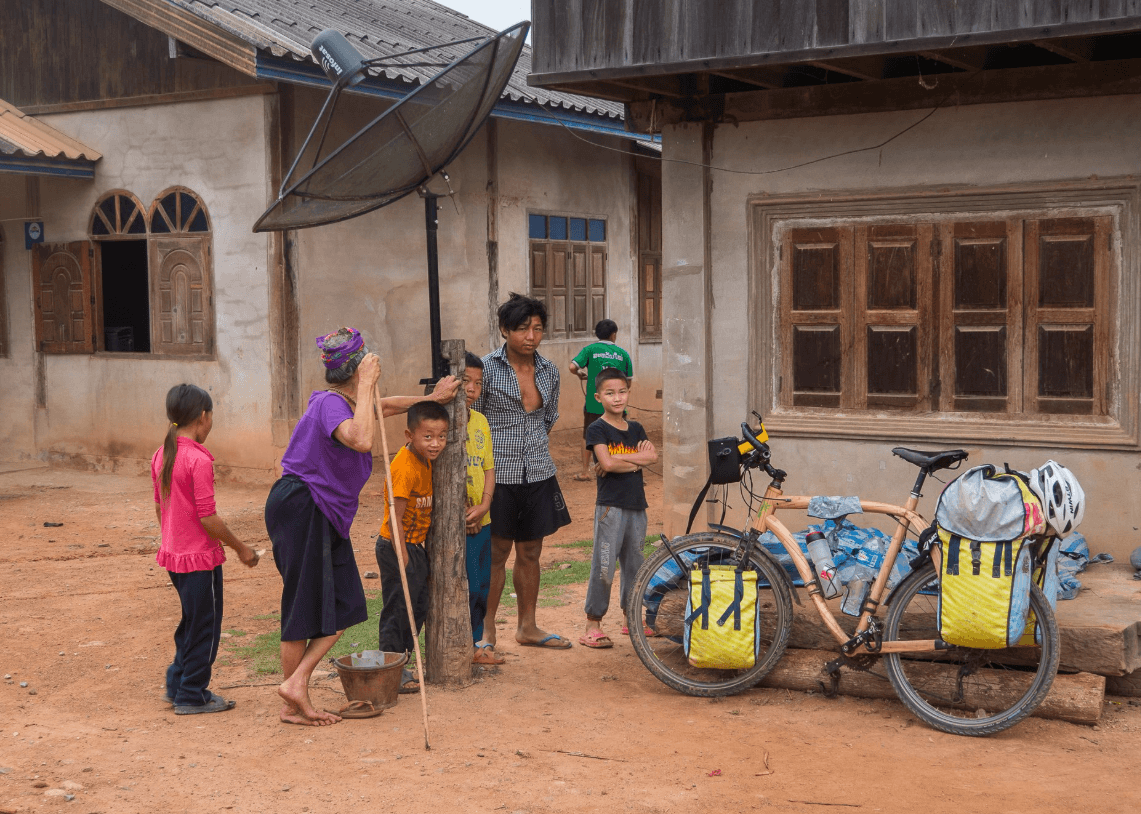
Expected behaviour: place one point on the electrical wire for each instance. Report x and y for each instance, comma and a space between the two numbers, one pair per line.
946, 97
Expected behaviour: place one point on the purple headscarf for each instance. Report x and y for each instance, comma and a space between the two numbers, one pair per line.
339, 347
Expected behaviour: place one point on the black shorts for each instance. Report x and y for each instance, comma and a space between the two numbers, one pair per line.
528, 511
587, 420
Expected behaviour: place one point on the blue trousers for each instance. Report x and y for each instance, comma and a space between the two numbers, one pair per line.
197, 636
478, 562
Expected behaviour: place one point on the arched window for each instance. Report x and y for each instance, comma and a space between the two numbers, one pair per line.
143, 283
178, 210
118, 213
122, 296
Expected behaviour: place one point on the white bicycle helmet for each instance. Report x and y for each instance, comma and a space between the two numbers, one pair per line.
1061, 495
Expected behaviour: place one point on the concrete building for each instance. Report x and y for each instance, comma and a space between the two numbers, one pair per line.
888, 224
191, 113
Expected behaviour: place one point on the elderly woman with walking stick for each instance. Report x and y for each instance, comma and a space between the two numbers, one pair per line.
310, 511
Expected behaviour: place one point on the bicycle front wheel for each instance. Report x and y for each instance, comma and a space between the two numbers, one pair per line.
658, 602
966, 691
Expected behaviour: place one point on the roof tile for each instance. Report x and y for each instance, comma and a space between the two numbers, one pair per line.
23, 134
377, 28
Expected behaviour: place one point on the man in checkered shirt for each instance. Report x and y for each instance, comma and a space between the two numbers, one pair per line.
520, 400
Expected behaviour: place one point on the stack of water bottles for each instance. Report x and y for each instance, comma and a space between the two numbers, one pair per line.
849, 557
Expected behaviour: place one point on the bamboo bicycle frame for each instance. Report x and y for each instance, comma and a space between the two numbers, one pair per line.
765, 520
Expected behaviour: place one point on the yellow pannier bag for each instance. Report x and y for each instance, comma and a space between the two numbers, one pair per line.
984, 591
721, 629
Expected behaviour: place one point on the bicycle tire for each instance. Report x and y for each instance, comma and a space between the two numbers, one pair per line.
664, 655
1016, 679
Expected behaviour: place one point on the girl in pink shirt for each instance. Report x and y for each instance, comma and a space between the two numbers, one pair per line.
191, 549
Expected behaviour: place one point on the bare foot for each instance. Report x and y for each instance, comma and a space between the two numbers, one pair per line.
297, 696
290, 714
548, 641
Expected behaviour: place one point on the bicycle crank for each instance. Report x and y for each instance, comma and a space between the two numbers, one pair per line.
862, 662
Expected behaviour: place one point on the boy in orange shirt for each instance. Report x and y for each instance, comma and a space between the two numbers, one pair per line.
426, 436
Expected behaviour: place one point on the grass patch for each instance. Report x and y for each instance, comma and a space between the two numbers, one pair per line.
647, 544
264, 652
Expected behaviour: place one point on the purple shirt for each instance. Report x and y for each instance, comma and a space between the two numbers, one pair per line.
334, 473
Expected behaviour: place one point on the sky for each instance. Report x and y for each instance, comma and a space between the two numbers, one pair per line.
497, 14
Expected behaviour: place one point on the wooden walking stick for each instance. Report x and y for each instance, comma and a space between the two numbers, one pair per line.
396, 541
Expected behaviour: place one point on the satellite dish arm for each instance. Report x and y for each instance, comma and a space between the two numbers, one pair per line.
377, 61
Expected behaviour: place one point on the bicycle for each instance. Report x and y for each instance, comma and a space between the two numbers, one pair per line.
958, 690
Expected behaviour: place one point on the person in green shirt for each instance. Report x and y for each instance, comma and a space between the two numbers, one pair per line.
587, 365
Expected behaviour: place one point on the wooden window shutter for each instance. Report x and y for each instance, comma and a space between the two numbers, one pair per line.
816, 271
182, 299
3, 305
1067, 297
597, 286
650, 252
891, 308
580, 293
650, 295
64, 297
980, 344
559, 305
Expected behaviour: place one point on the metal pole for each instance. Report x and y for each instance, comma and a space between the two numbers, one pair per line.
431, 226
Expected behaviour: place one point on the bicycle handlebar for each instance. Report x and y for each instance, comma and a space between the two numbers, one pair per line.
759, 454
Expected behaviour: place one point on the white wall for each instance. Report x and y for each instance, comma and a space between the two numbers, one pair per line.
109, 410
369, 272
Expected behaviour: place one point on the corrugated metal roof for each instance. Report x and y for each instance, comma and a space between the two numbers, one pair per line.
21, 134
377, 28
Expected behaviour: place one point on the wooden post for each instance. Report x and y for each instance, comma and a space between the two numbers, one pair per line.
448, 629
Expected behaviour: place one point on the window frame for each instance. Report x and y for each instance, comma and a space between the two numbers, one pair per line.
648, 206
1118, 198
594, 256
198, 242
4, 351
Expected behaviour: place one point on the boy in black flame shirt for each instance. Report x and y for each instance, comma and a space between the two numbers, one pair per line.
622, 449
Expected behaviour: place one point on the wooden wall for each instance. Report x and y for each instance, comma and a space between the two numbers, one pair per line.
59, 52
577, 35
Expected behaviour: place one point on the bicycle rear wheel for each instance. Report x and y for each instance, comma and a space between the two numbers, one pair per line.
658, 601
966, 691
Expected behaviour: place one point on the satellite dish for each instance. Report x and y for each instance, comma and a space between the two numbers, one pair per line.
400, 150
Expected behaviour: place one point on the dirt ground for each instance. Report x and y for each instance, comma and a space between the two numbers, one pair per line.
87, 618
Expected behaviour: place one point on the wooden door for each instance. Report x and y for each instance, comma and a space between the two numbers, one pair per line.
182, 302
64, 297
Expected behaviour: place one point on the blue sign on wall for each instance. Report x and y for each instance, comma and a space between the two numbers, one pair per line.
33, 233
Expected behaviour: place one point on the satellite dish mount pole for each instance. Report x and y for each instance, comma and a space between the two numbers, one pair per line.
431, 227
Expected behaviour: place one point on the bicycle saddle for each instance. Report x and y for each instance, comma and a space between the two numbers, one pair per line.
931, 461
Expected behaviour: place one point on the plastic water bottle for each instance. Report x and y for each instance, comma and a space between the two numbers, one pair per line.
822, 563
860, 578
855, 594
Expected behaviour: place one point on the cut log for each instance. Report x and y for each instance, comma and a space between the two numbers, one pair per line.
1076, 697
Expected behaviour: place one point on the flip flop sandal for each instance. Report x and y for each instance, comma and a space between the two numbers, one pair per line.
485, 654
357, 709
408, 677
596, 639
559, 643
648, 631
